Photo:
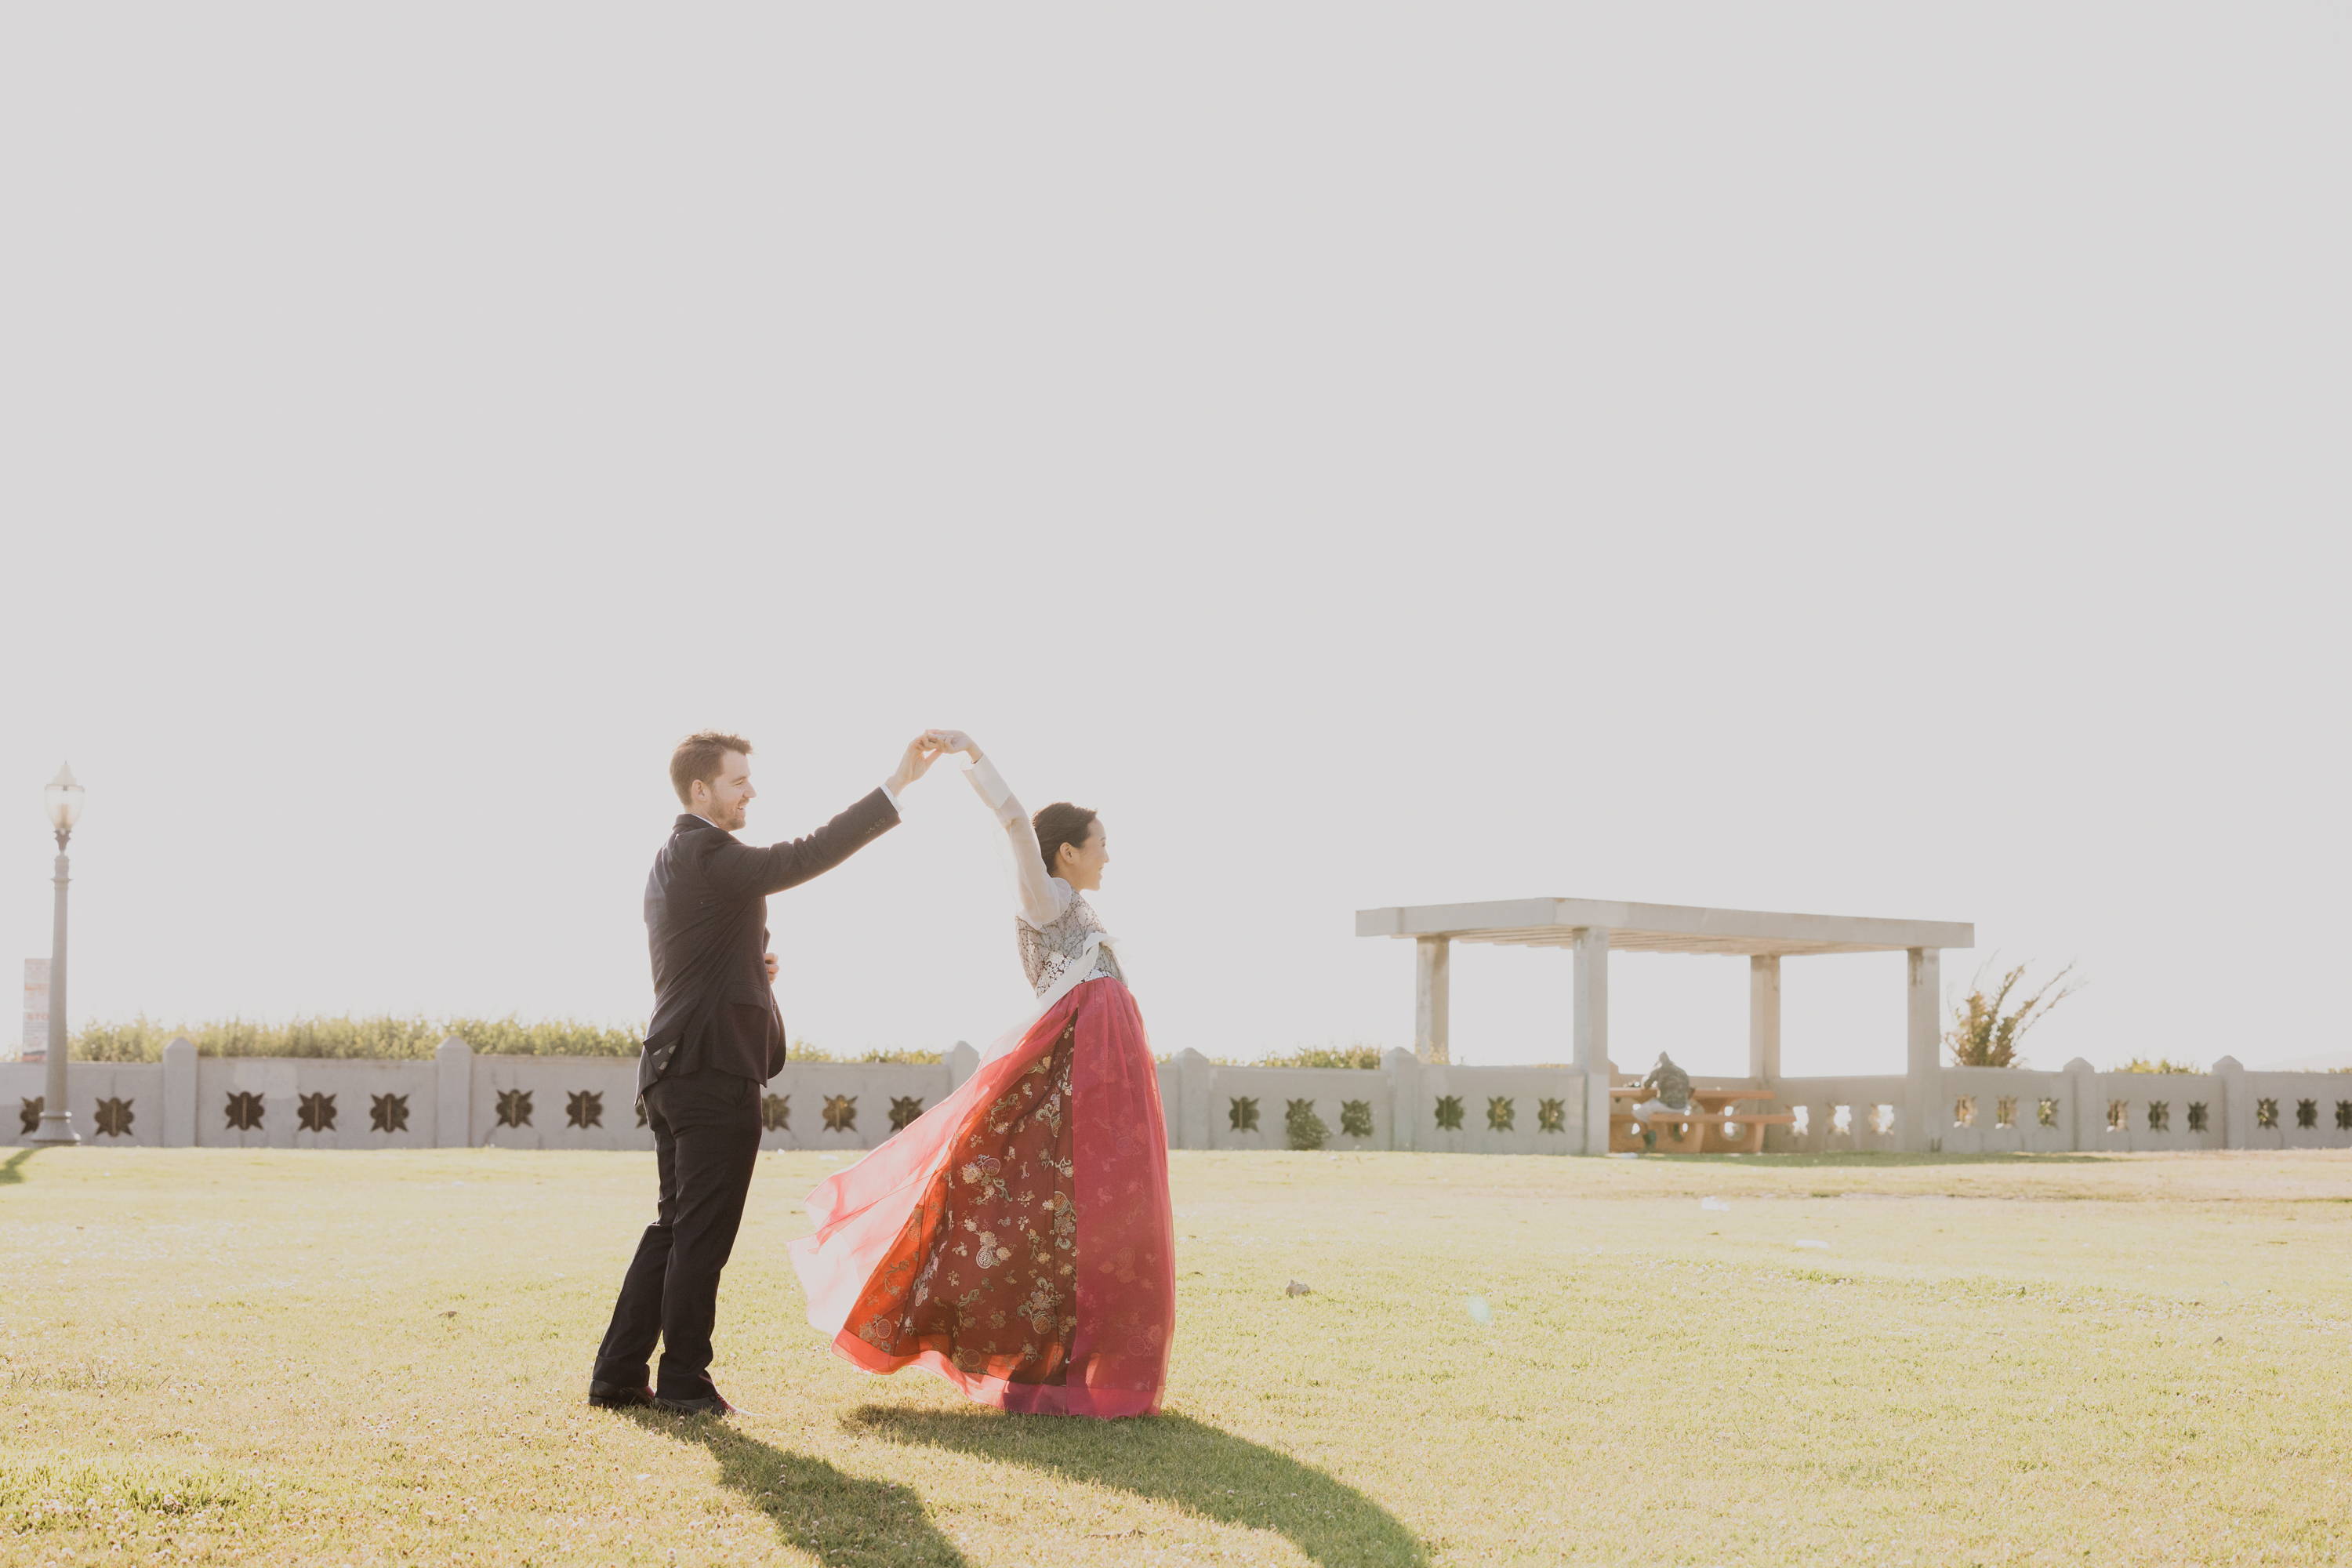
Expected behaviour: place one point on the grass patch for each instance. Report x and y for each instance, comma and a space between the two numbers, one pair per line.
248, 1356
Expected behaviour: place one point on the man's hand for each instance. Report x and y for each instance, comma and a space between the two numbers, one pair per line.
770, 960
954, 741
920, 755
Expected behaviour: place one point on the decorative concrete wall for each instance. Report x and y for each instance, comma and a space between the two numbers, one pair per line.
1405, 1104
2077, 1108
461, 1099
458, 1099
1844, 1115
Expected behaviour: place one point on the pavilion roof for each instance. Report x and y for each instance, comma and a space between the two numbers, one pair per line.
1660, 928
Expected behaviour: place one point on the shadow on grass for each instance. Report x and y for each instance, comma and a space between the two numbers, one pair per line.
12, 1169
842, 1520
1172, 1459
1870, 1160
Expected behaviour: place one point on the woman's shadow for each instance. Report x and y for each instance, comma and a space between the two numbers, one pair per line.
1172, 1459
842, 1520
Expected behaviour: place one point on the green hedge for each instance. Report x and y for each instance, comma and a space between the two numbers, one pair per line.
143, 1039
1364, 1056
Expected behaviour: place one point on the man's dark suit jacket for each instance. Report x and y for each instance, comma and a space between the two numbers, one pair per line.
707, 920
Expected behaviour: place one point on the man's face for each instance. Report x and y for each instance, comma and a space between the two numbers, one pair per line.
722, 800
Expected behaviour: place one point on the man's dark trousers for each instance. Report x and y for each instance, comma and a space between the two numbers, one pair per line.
706, 1128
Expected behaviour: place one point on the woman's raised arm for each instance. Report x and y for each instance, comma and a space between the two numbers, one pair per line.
1041, 898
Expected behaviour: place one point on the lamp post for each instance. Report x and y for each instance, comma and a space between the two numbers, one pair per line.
63, 797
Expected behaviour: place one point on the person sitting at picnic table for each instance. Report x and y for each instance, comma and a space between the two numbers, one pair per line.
1670, 1090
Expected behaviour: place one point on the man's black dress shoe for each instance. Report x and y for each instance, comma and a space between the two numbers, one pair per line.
710, 1402
618, 1396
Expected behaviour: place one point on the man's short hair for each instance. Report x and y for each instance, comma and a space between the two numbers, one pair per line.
699, 756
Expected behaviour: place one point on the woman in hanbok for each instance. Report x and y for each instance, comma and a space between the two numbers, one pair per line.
1017, 1237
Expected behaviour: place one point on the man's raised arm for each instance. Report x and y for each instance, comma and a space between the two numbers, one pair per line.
741, 868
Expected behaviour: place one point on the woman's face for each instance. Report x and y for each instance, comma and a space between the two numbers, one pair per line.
1082, 866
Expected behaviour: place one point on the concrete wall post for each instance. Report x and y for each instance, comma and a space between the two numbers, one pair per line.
963, 1062
1591, 1033
1764, 1017
453, 1094
2087, 1115
2237, 1107
1926, 1114
1194, 1072
179, 1094
1402, 1071
1433, 967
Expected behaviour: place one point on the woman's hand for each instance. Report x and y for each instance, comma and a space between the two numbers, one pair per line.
921, 752
770, 960
954, 741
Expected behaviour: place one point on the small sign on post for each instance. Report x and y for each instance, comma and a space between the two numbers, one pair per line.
36, 1047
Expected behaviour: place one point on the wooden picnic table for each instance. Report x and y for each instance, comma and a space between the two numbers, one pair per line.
1719, 1096
1704, 1129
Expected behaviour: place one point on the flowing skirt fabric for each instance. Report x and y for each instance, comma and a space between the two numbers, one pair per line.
1017, 1237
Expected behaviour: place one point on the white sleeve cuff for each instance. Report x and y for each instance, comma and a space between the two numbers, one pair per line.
989, 784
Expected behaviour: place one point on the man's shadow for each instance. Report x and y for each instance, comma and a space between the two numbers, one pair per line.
1175, 1460
842, 1520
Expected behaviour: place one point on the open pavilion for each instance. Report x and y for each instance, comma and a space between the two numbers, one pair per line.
1593, 928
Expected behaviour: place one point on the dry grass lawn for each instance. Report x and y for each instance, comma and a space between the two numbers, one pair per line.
211, 1356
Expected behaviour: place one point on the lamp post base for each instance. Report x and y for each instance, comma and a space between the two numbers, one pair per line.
55, 1132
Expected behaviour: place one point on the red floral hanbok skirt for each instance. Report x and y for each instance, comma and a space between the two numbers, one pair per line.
1017, 1237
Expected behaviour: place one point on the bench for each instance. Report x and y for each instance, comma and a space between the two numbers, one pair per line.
1699, 1132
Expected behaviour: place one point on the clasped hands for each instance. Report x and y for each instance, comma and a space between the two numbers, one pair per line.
928, 748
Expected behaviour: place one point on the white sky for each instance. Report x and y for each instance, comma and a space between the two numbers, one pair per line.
1838, 458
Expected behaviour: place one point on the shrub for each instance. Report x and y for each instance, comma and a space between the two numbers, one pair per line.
2160, 1064
1302, 1127
1986, 1029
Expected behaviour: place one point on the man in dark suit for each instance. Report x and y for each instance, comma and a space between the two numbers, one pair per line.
716, 1038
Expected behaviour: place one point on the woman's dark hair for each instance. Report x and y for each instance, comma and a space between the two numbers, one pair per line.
1059, 824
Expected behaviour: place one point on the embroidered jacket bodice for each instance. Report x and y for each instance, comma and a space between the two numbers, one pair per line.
1056, 925
1048, 951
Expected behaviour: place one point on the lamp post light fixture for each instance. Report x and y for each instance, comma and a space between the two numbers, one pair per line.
63, 798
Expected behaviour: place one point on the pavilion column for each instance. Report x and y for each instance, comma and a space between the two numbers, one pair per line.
1764, 1017
1926, 1116
1592, 1033
1432, 970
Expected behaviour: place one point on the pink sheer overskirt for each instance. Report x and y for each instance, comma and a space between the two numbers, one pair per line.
882, 1222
